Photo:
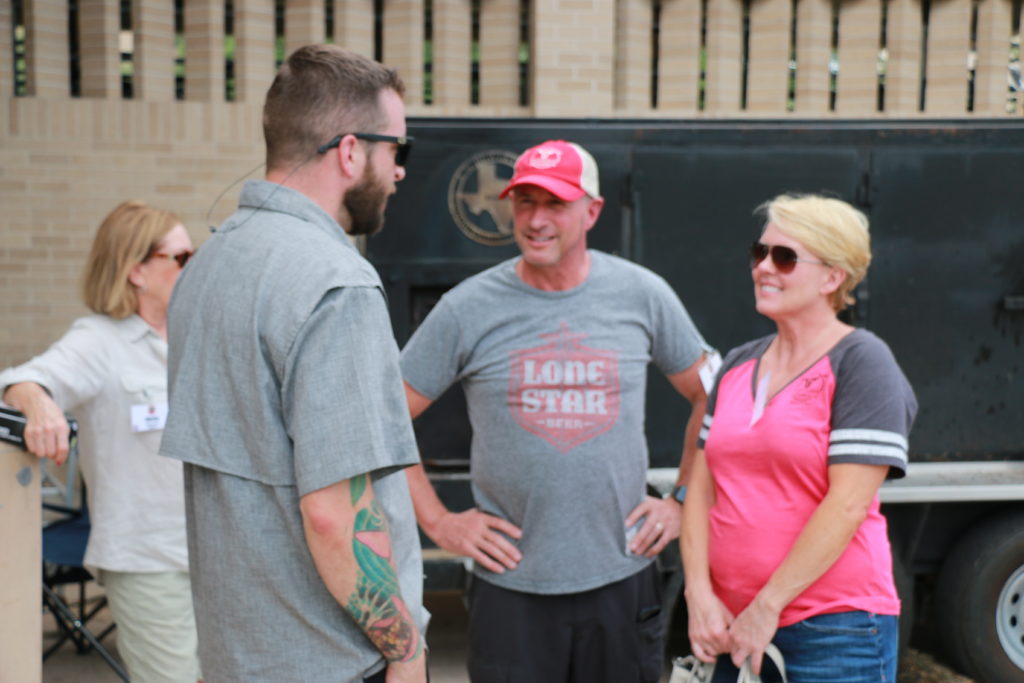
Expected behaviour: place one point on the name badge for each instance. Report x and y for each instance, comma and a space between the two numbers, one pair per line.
148, 417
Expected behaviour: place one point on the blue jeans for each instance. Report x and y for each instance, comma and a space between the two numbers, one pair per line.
848, 647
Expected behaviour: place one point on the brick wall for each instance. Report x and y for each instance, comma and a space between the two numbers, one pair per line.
65, 162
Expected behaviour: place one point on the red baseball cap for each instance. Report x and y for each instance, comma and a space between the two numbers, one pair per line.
564, 169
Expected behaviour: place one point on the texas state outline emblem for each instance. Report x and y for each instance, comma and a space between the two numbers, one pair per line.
562, 391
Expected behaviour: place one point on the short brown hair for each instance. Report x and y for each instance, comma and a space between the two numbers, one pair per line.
126, 237
832, 230
319, 92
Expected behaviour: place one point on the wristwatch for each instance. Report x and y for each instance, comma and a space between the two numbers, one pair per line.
679, 493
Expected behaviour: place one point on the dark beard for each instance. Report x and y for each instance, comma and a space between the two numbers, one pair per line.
365, 204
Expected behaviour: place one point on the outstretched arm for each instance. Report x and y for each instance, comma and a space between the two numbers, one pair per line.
349, 539
472, 533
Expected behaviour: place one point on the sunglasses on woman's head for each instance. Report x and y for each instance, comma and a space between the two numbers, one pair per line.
181, 258
783, 258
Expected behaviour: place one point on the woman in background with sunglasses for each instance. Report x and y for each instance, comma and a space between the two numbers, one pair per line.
782, 536
110, 371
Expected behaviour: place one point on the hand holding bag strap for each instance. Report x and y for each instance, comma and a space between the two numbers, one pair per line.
689, 669
747, 674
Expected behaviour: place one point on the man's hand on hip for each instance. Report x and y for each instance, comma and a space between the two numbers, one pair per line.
480, 536
660, 527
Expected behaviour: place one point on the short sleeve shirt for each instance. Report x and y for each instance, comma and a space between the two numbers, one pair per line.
100, 371
770, 469
555, 385
284, 380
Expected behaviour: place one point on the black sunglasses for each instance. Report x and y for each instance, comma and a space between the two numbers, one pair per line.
181, 258
783, 258
401, 153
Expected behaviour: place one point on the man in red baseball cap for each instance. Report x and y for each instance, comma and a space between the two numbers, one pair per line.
552, 349
563, 168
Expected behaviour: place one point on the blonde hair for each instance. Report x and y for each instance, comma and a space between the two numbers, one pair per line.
126, 237
832, 230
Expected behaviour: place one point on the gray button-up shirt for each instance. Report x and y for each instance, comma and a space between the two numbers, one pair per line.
284, 379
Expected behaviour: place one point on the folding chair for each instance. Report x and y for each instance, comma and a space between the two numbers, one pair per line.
63, 552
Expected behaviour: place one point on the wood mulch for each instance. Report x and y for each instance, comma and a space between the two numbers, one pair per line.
919, 667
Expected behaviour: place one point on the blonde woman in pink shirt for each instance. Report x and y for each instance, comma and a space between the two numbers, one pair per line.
782, 537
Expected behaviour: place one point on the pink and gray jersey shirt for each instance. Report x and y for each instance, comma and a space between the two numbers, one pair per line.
770, 460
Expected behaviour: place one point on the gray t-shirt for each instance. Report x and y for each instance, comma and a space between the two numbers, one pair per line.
555, 385
283, 380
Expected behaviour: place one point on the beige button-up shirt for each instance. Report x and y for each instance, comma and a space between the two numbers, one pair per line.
97, 372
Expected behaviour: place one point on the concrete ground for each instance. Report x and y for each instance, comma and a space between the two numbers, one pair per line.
446, 635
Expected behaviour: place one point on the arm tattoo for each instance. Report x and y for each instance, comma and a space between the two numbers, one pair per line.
377, 604
357, 486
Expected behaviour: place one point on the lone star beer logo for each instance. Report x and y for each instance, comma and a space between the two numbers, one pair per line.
564, 392
473, 197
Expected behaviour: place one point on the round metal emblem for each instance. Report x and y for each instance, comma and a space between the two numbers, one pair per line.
473, 197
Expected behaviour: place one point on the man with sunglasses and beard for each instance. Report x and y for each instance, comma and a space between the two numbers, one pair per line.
552, 350
286, 399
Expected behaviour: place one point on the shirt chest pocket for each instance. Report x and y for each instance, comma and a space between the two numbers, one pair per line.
144, 388
146, 397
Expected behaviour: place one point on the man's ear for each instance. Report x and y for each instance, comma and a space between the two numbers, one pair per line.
594, 210
350, 157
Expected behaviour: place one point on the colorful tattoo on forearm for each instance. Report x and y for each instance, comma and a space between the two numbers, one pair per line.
357, 486
377, 604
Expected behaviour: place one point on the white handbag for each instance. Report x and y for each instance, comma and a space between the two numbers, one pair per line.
689, 669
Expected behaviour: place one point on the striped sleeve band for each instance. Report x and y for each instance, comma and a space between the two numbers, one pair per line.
868, 446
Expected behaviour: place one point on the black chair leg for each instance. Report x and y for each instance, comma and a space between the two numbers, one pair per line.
70, 624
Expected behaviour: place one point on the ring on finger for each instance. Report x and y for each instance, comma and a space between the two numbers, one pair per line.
659, 526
